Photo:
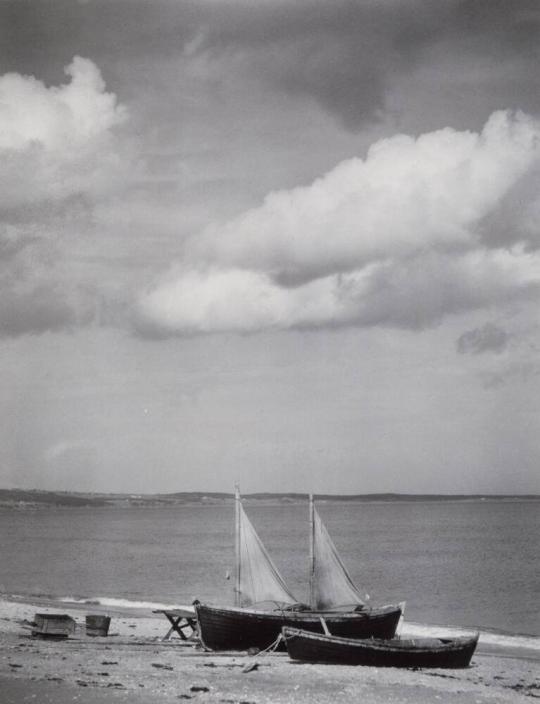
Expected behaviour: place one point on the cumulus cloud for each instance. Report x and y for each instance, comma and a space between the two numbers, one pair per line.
413, 293
57, 141
488, 338
406, 195
391, 239
58, 155
56, 118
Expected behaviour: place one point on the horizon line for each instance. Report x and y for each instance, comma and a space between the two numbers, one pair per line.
225, 494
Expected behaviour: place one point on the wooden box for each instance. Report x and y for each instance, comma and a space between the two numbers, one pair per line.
53, 625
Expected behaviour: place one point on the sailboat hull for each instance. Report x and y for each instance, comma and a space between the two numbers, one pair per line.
231, 628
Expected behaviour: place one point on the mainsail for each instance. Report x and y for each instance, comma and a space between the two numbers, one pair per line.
331, 584
257, 578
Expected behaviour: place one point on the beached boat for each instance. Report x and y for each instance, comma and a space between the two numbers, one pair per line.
414, 652
264, 603
235, 628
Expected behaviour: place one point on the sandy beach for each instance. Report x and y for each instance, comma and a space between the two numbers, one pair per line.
134, 664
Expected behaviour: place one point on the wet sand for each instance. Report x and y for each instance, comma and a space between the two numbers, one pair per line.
134, 665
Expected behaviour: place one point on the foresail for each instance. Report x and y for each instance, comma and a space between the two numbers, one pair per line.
260, 580
332, 585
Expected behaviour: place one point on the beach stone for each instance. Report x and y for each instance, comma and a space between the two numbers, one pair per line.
199, 688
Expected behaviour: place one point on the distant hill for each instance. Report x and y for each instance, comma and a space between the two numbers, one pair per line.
389, 497
33, 498
50, 498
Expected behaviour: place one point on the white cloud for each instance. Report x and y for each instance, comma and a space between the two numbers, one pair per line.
392, 239
59, 156
57, 141
408, 194
62, 447
413, 293
235, 300
57, 118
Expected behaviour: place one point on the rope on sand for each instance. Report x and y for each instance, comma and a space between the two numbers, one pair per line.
253, 664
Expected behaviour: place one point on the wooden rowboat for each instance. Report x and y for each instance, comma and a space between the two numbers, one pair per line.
414, 652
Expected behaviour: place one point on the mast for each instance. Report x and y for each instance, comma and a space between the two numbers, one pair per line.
237, 544
311, 552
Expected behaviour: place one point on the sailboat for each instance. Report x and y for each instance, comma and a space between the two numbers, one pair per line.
336, 605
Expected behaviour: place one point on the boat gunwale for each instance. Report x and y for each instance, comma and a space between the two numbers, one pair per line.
373, 613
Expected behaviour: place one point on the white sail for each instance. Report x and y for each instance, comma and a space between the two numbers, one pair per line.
258, 579
331, 584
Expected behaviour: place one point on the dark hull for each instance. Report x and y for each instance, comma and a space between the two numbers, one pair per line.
239, 629
422, 652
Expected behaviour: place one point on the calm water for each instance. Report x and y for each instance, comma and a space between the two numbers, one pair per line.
464, 564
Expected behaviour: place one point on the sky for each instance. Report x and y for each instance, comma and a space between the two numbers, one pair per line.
293, 245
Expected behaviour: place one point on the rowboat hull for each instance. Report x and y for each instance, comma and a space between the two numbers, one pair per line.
421, 652
231, 628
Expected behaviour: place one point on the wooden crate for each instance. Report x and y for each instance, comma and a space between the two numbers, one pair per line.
53, 625
97, 625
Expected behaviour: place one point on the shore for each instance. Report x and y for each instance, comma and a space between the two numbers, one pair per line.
134, 664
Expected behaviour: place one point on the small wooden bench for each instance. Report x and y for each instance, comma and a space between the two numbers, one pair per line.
180, 619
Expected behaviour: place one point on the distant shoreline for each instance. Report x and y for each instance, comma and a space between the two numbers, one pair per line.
23, 499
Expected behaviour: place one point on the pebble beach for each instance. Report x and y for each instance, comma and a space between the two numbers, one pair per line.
134, 664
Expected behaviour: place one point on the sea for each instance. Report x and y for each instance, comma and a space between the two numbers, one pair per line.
461, 565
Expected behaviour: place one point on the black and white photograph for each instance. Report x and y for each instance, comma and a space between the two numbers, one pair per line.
269, 351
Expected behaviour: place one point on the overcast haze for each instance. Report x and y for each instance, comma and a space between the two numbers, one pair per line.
289, 244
